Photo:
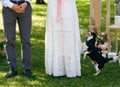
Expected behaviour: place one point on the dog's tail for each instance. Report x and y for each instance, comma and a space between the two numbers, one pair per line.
116, 57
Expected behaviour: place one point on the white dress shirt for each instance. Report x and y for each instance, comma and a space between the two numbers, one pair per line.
9, 4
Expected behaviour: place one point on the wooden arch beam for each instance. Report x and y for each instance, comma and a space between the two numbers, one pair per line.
95, 15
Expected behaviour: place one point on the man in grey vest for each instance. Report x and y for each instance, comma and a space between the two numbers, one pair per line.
20, 11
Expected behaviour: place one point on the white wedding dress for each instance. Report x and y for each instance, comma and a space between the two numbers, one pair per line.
62, 40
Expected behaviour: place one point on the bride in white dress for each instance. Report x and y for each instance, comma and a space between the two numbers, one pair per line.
62, 39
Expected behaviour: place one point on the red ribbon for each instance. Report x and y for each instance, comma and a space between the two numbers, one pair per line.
59, 9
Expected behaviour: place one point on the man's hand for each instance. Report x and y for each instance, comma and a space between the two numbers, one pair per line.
18, 9
23, 5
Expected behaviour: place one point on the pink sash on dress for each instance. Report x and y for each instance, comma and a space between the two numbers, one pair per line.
59, 9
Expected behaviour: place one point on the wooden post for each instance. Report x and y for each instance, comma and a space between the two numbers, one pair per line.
116, 29
108, 23
117, 7
116, 40
95, 14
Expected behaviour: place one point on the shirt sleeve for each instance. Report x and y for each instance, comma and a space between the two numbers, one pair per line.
7, 3
27, 0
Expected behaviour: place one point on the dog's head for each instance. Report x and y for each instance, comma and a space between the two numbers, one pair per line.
91, 40
91, 36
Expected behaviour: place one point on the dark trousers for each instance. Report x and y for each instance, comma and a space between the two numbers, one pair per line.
24, 22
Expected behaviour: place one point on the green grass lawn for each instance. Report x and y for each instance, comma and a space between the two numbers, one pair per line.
109, 77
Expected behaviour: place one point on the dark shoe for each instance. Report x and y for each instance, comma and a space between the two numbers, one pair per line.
12, 72
28, 73
43, 2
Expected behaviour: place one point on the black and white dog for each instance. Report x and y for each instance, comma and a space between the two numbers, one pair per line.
92, 52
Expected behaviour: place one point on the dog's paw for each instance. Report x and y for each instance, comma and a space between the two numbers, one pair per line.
97, 69
89, 38
97, 73
86, 54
